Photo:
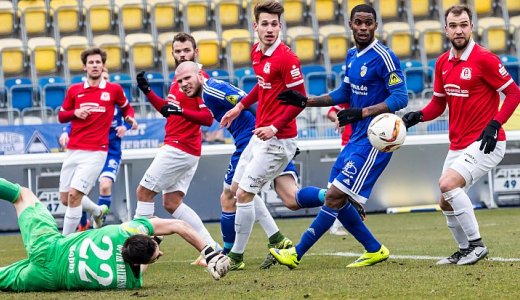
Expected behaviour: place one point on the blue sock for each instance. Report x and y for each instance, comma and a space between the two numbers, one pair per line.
349, 217
227, 227
319, 226
107, 200
310, 196
83, 220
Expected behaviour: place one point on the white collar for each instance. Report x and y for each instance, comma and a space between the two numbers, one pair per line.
466, 52
271, 49
102, 84
367, 48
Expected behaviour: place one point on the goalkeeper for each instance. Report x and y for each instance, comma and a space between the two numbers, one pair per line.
112, 257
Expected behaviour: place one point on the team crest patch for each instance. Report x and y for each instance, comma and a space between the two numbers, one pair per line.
363, 71
267, 68
465, 74
105, 96
232, 99
394, 79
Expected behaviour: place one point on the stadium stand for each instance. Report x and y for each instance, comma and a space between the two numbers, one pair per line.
7, 19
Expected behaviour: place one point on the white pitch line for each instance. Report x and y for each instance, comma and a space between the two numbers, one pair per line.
414, 257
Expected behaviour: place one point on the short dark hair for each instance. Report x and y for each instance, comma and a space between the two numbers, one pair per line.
183, 37
93, 51
270, 7
138, 249
363, 8
457, 10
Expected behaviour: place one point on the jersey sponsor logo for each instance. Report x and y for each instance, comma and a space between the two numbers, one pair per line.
359, 89
105, 96
295, 72
465, 74
267, 68
233, 99
364, 70
455, 90
93, 107
262, 83
502, 70
394, 79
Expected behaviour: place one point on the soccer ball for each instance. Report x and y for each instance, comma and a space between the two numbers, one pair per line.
386, 132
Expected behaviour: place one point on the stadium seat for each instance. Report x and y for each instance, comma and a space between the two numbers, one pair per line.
346, 8
237, 44
33, 17
164, 16
131, 15
339, 70
115, 52
493, 34
420, 9
156, 81
78, 79
443, 5
398, 38
13, 56
125, 80
484, 7
220, 74
296, 12
98, 17
388, 9
141, 50
195, 14
438, 126
44, 55
246, 78
7, 19
335, 43
164, 43
209, 47
71, 48
315, 79
52, 89
414, 75
512, 65
228, 13
431, 37
66, 15
512, 6
303, 42
324, 10
19, 93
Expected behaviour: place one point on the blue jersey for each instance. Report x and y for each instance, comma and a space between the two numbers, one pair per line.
372, 75
220, 96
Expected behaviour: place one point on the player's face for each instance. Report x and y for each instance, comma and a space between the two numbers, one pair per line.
268, 29
94, 66
458, 30
105, 76
363, 26
183, 51
158, 253
189, 82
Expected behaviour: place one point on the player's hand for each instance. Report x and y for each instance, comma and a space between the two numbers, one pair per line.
120, 131
131, 120
82, 113
349, 115
412, 118
264, 133
218, 264
489, 137
292, 97
64, 139
142, 83
231, 115
171, 109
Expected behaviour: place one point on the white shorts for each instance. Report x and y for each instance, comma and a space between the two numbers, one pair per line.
171, 170
471, 163
262, 161
80, 170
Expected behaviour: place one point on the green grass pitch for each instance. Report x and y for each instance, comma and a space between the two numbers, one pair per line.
415, 242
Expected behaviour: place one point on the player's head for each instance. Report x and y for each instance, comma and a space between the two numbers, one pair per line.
459, 25
105, 75
189, 78
140, 249
267, 21
184, 48
363, 23
93, 60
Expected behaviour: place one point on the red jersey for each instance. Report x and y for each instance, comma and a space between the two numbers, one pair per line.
471, 85
276, 70
347, 130
92, 133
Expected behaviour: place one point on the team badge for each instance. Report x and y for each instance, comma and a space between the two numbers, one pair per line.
267, 68
105, 96
233, 99
465, 74
394, 79
363, 71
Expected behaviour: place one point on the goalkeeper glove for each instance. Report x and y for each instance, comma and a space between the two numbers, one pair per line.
218, 263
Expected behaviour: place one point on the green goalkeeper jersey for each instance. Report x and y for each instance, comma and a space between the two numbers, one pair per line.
92, 259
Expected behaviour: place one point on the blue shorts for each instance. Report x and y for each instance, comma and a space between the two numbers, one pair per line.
357, 169
111, 167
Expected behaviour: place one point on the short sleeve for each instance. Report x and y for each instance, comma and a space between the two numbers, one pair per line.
291, 71
138, 226
494, 72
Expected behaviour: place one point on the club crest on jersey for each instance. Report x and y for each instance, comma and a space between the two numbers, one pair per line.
394, 79
363, 71
233, 99
465, 74
267, 68
105, 96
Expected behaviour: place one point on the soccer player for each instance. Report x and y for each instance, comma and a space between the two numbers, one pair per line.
173, 167
373, 84
112, 257
468, 79
89, 107
220, 97
273, 143
111, 168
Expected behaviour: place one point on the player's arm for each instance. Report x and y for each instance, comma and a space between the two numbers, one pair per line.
64, 137
67, 111
246, 102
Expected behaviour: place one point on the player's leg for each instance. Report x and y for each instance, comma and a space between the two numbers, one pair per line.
107, 178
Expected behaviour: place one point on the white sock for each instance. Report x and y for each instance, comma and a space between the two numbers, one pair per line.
457, 232
244, 221
71, 219
463, 210
90, 207
144, 209
188, 215
264, 217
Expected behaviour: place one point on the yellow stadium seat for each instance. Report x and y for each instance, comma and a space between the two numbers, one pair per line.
164, 15
483, 7
303, 42
228, 13
514, 22
324, 10
295, 11
513, 6
431, 36
98, 15
141, 50
237, 43
66, 15
33, 16
71, 47
7, 18
13, 56
493, 33
196, 14
112, 45
419, 8
388, 9
209, 47
398, 38
131, 14
335, 43
44, 54
164, 41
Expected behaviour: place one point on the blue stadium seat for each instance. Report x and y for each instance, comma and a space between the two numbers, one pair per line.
414, 75
512, 65
19, 93
438, 126
307, 133
339, 70
316, 79
52, 89
125, 80
156, 81
78, 79
246, 78
219, 74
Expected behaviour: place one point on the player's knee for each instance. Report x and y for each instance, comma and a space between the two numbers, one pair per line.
74, 198
171, 201
105, 186
243, 196
446, 185
227, 201
335, 200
